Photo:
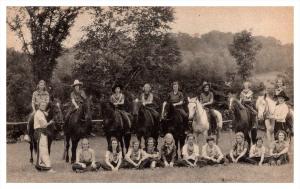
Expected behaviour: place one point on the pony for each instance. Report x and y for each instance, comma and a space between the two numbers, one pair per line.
265, 106
172, 121
242, 120
200, 121
114, 125
55, 113
145, 123
77, 127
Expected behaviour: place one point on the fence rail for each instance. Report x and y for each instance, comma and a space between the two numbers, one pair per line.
94, 121
25, 122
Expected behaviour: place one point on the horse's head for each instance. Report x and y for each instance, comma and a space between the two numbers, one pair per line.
56, 112
192, 107
87, 106
136, 104
261, 106
168, 110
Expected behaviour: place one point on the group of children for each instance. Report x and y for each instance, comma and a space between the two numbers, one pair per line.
151, 157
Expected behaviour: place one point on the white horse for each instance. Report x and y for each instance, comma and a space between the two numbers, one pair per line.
200, 123
265, 106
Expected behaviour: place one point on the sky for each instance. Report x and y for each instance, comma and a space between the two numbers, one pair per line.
264, 21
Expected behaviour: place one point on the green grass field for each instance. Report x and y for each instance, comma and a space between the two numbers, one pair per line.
20, 170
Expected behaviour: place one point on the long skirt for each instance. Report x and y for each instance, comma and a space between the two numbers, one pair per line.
43, 158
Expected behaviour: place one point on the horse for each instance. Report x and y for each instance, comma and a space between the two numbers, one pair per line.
265, 106
114, 125
200, 121
77, 127
55, 114
172, 121
242, 120
145, 123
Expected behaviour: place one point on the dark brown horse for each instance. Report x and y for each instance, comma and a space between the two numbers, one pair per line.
242, 120
55, 114
116, 125
77, 127
172, 121
145, 123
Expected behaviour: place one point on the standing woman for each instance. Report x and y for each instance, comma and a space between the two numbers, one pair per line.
40, 134
113, 156
280, 113
118, 100
40, 95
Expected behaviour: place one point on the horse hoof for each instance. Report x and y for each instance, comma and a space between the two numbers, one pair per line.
31, 160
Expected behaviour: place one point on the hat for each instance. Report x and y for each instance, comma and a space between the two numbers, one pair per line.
205, 83
115, 86
283, 95
77, 82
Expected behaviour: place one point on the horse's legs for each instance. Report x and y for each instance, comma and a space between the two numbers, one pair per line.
74, 148
176, 143
181, 142
67, 146
49, 145
270, 130
31, 149
127, 138
253, 134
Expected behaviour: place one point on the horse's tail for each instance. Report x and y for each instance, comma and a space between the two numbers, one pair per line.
219, 119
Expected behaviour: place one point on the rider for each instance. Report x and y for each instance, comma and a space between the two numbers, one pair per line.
176, 98
118, 99
280, 86
207, 99
40, 95
148, 100
246, 98
77, 98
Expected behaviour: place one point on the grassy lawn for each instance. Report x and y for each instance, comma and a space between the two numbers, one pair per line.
20, 170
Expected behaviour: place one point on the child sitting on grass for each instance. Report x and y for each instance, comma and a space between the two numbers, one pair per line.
168, 151
133, 158
85, 158
150, 155
279, 149
211, 153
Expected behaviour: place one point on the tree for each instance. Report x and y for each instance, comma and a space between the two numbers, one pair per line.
19, 84
48, 28
244, 49
127, 45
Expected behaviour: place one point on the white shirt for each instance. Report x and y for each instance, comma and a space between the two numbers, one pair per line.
280, 112
257, 152
39, 120
214, 152
190, 155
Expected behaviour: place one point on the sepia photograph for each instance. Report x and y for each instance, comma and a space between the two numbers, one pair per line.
150, 94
